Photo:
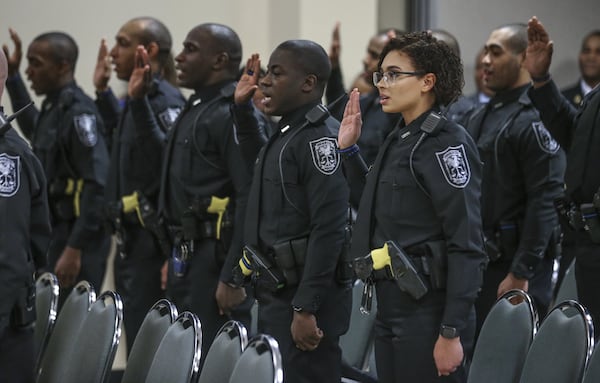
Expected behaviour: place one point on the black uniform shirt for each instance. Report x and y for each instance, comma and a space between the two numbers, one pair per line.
202, 160
447, 167
66, 137
523, 174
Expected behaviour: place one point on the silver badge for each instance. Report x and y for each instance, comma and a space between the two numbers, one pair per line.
455, 165
85, 125
9, 175
168, 117
544, 138
324, 155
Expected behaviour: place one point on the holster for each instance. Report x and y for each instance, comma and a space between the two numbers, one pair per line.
290, 257
438, 264
23, 313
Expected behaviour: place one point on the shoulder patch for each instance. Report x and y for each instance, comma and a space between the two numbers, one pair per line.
324, 155
455, 165
9, 175
168, 117
85, 125
544, 138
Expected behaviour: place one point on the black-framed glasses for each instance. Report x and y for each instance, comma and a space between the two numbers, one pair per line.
390, 77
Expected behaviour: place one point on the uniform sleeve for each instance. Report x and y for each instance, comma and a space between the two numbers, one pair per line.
109, 109
249, 135
452, 173
19, 98
40, 215
335, 89
149, 135
542, 169
556, 111
89, 158
326, 193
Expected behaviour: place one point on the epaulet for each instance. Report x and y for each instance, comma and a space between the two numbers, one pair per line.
317, 115
66, 98
431, 125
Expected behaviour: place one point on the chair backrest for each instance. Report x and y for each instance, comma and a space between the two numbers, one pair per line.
562, 346
568, 287
224, 352
97, 341
259, 363
151, 332
592, 372
504, 340
57, 356
357, 343
46, 306
177, 358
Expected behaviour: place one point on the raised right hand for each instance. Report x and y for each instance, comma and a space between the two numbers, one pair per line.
538, 56
14, 60
351, 124
336, 46
103, 68
248, 83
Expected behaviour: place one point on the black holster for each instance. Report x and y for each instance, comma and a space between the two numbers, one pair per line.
23, 312
290, 257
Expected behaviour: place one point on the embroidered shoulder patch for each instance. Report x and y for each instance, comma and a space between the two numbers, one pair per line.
324, 155
455, 165
544, 138
85, 125
9, 175
168, 117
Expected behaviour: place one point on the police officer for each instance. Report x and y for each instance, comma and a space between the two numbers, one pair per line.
25, 226
523, 174
589, 67
204, 184
296, 212
422, 194
576, 131
66, 137
142, 56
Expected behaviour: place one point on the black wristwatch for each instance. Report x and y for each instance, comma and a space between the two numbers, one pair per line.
448, 332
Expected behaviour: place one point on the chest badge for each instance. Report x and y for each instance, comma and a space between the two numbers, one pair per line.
324, 155
9, 175
455, 165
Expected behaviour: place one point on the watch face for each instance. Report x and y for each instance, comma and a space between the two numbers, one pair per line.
448, 332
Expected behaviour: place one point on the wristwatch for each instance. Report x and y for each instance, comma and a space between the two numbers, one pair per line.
448, 332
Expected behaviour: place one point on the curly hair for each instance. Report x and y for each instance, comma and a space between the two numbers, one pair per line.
429, 55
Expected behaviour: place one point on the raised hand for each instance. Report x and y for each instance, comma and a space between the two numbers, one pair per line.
248, 83
539, 49
336, 46
351, 124
14, 60
141, 76
103, 68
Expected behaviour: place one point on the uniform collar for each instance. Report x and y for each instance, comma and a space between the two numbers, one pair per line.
414, 127
208, 93
295, 118
510, 96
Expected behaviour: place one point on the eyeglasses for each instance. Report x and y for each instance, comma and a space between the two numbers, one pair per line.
391, 77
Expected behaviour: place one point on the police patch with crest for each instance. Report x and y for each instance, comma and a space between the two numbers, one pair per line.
168, 117
85, 125
9, 175
324, 155
544, 138
455, 165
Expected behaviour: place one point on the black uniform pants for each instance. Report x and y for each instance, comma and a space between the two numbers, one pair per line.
17, 353
93, 257
587, 276
322, 365
137, 277
405, 334
195, 292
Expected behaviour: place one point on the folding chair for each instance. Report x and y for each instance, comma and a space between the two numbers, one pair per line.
57, 356
177, 358
568, 287
46, 306
224, 352
97, 341
259, 363
153, 328
504, 340
592, 371
560, 350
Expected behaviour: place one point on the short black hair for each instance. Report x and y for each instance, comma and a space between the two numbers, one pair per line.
429, 55
64, 47
310, 57
154, 31
224, 39
589, 35
517, 42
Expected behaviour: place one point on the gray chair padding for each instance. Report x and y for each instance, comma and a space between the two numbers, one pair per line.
259, 363
46, 306
97, 341
568, 287
57, 356
224, 352
562, 346
177, 358
592, 372
504, 340
151, 332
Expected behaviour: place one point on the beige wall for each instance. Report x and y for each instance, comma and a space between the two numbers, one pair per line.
261, 24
